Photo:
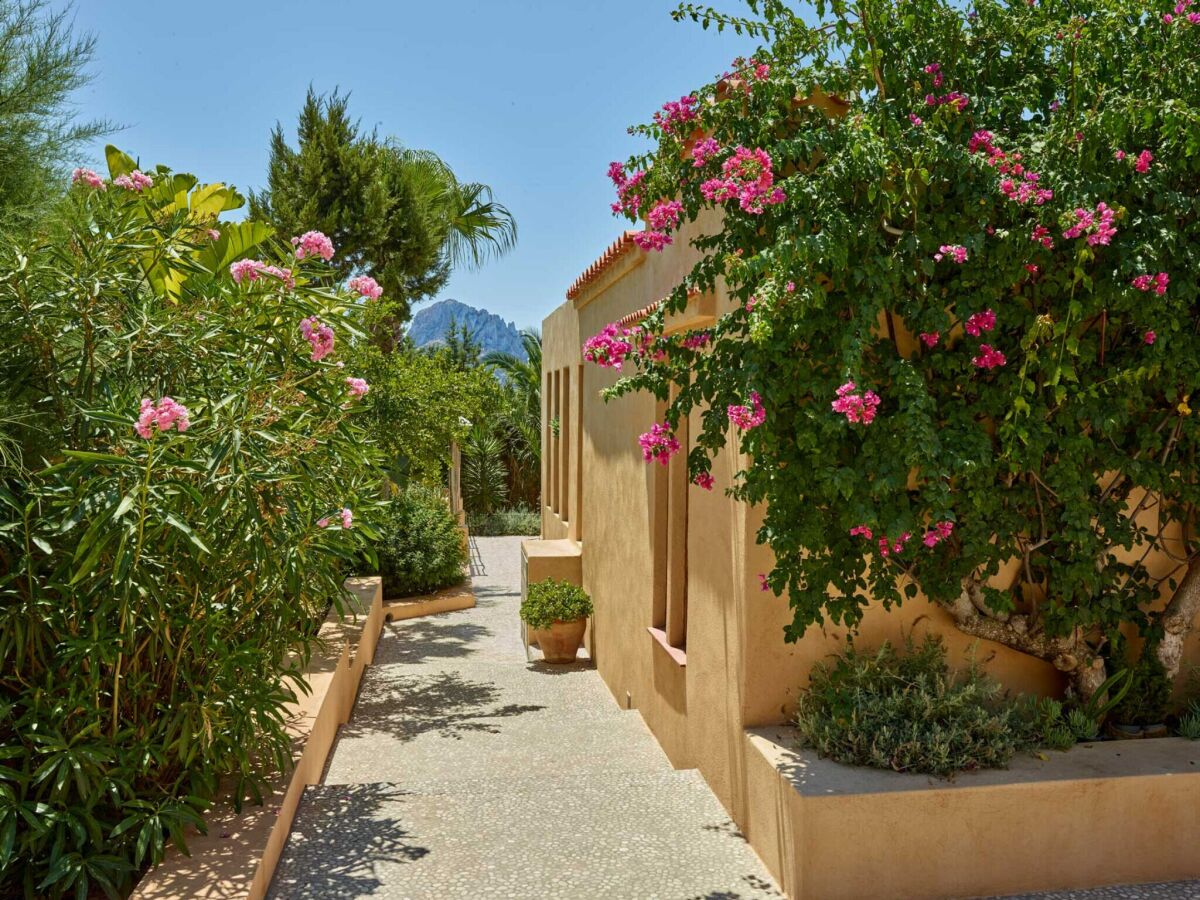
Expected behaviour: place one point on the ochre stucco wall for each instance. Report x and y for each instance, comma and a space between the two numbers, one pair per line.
739, 671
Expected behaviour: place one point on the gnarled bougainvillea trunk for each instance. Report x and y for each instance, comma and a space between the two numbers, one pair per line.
962, 246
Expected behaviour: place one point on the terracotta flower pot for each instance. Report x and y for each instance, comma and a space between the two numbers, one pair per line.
560, 642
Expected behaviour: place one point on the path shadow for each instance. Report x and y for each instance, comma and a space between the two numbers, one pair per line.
475, 564
760, 886
417, 640
338, 840
444, 703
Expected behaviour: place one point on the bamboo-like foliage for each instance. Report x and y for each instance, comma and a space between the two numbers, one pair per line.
159, 596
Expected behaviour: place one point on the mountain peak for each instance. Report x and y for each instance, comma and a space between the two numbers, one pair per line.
494, 334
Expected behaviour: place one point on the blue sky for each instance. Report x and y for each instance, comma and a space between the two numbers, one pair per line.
530, 96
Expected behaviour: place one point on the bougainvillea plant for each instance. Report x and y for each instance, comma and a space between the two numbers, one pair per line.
960, 244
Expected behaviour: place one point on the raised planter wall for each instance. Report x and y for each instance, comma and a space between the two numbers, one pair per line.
1116, 812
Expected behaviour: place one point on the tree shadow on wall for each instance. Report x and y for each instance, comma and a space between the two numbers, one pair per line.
444, 703
340, 836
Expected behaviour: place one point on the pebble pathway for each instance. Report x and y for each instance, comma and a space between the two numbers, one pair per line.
468, 772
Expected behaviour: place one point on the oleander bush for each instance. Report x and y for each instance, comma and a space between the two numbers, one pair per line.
550, 601
905, 709
420, 546
516, 521
182, 484
959, 241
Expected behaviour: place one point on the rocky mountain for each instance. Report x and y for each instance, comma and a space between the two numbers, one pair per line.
430, 324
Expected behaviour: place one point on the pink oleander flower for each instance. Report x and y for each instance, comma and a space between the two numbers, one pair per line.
164, 416
790, 287
319, 337
747, 417
284, 275
609, 348
704, 151
658, 444
1168, 18
135, 181
323, 522
763, 585
365, 286
704, 480
676, 112
696, 341
1149, 337
1119, 156
1097, 226
916, 120
936, 71
214, 234
1157, 282
956, 252
347, 518
313, 243
989, 357
1041, 235
245, 270
857, 408
1142, 165
88, 177
940, 532
358, 387
930, 338
980, 322
863, 531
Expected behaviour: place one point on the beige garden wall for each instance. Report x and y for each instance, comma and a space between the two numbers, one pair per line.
598, 492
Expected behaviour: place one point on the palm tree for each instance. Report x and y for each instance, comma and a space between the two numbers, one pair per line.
521, 416
474, 227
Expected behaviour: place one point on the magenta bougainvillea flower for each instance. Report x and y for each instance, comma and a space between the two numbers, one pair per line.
747, 417
956, 252
857, 408
1158, 283
658, 444
989, 357
980, 322
704, 480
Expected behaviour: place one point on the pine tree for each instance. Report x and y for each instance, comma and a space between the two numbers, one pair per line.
41, 65
397, 214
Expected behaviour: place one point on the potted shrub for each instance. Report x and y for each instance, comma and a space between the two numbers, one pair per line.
556, 613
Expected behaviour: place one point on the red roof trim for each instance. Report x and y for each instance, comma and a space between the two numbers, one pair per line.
614, 252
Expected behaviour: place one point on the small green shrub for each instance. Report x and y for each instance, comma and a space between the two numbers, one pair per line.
421, 546
519, 520
1149, 693
550, 601
1189, 722
908, 712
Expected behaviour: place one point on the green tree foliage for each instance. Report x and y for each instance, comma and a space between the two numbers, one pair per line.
399, 215
461, 348
159, 593
421, 403
41, 65
520, 416
1034, 452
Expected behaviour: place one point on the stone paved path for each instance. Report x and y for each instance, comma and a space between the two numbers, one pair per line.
466, 772
1175, 890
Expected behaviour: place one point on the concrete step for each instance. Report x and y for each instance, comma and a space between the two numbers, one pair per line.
643, 835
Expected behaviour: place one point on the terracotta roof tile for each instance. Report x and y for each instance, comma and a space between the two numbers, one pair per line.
614, 252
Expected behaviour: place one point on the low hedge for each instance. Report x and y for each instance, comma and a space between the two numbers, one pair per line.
421, 546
